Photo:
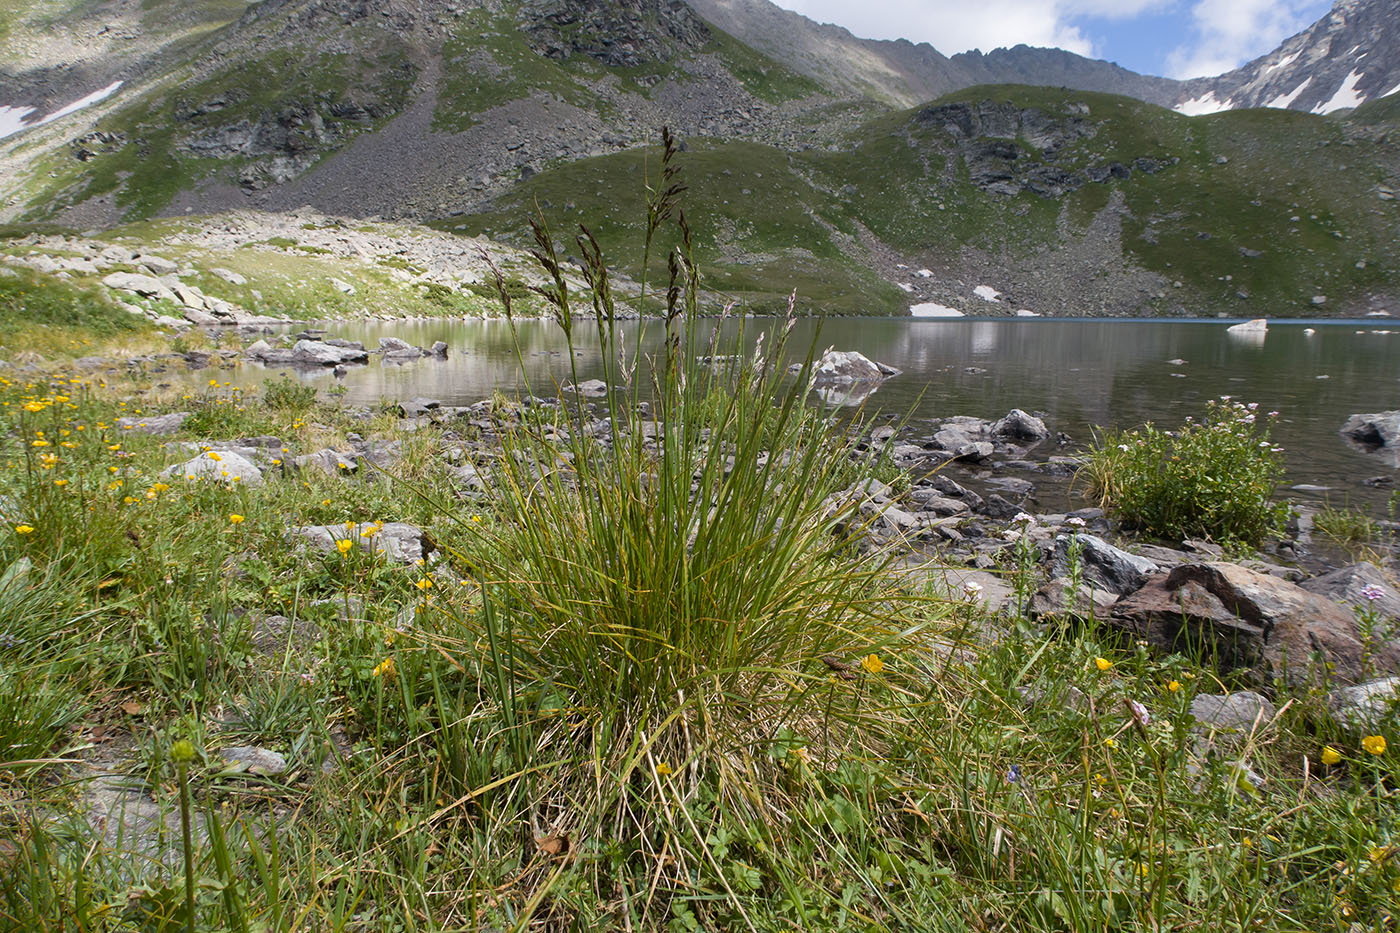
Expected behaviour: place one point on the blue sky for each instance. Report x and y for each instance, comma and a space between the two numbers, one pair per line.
1176, 38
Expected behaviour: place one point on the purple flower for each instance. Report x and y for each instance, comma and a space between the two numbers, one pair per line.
1013, 776
1140, 712
1372, 592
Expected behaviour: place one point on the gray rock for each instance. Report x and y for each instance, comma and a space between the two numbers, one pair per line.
229, 276
1250, 621
328, 461
154, 424
264, 352
989, 591
1054, 599
227, 467
158, 265
941, 506
1367, 706
324, 353
399, 541
417, 407
1376, 431
254, 760
1235, 711
1103, 564
394, 344
589, 388
127, 819
1020, 425
144, 285
1345, 587
848, 366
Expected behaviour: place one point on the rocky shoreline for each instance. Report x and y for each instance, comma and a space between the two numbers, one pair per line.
961, 514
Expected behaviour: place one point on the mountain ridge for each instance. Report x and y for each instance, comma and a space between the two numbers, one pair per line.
453, 111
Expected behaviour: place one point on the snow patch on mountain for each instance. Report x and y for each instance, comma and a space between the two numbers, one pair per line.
12, 119
1283, 62
934, 309
1200, 106
1284, 101
1346, 96
987, 293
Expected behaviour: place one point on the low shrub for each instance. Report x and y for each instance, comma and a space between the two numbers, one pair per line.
285, 395
1214, 478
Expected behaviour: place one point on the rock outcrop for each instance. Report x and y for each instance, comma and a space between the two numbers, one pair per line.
1249, 621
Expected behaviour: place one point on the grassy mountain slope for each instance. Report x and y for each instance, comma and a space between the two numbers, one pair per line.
254, 117
1252, 212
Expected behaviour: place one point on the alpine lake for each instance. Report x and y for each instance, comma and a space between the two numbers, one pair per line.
1079, 375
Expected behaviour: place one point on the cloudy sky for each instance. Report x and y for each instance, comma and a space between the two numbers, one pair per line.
1176, 38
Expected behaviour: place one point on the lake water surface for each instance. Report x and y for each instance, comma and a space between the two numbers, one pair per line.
1081, 374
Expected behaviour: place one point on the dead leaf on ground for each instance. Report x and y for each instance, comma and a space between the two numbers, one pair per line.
553, 845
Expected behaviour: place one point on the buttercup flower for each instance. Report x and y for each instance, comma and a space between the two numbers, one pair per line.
1374, 744
24, 529
872, 664
1173, 686
384, 668
235, 519
1330, 756
1103, 664
344, 545
663, 769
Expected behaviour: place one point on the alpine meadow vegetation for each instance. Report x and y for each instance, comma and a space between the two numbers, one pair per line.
653, 677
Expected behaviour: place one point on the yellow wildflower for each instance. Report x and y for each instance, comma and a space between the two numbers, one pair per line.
160, 487
47, 461
663, 769
384, 668
1374, 744
24, 529
1330, 756
235, 519
1174, 686
1110, 743
39, 443
872, 664
425, 584
1102, 664
60, 482
344, 545
214, 455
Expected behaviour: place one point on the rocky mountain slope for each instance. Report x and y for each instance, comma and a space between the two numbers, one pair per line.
905, 73
1014, 199
469, 112
1348, 57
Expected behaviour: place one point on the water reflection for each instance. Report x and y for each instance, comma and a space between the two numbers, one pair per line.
1082, 374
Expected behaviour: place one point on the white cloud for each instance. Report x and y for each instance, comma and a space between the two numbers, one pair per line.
1228, 33
955, 25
